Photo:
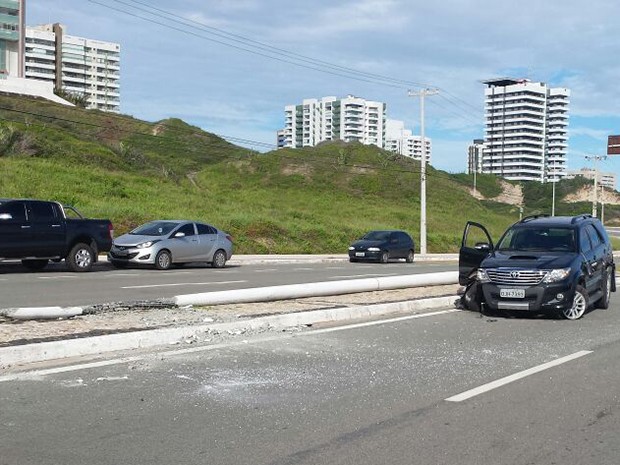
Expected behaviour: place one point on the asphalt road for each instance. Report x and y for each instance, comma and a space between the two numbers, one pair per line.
378, 393
55, 286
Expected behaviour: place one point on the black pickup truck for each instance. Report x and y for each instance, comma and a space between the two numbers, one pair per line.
37, 231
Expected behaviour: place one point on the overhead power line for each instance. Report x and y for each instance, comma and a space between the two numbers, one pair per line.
242, 43
351, 168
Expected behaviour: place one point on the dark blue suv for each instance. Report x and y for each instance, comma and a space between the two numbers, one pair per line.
560, 265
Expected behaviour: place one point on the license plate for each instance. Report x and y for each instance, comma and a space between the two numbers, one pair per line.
359, 254
512, 293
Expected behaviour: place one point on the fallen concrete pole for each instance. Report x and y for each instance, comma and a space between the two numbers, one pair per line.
41, 313
295, 291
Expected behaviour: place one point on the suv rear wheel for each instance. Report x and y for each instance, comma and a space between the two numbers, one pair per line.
580, 304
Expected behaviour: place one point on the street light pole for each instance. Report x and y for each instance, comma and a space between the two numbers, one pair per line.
422, 94
553, 189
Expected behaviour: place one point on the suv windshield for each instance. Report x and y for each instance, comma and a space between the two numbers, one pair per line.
155, 228
545, 239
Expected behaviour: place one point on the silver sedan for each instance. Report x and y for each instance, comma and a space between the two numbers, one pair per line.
166, 242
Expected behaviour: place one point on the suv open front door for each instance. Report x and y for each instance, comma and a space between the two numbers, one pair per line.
475, 246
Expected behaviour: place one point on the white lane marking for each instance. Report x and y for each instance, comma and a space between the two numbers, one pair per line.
369, 275
265, 270
169, 353
517, 376
57, 277
304, 269
211, 283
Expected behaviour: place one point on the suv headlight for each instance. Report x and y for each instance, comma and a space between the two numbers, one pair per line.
482, 276
556, 275
146, 245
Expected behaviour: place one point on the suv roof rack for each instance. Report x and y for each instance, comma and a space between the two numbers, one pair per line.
580, 218
533, 217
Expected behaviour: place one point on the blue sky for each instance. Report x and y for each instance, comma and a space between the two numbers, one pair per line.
172, 70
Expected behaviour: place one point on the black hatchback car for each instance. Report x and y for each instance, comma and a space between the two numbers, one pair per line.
561, 265
381, 246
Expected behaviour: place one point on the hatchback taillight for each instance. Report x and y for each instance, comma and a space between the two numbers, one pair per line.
111, 231
229, 237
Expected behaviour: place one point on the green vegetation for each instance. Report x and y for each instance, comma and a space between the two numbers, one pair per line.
313, 200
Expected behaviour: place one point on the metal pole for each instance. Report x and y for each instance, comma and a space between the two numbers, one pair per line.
553, 191
603, 205
422, 94
595, 200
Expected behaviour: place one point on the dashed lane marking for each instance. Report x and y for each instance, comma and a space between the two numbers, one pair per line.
517, 376
212, 283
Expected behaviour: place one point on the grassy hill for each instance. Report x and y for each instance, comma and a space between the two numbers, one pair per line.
313, 200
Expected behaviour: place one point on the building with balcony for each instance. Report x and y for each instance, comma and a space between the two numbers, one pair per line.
402, 141
330, 118
475, 152
12, 20
74, 65
526, 130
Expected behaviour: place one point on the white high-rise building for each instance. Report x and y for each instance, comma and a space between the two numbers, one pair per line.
12, 14
526, 130
475, 152
330, 118
75, 65
402, 141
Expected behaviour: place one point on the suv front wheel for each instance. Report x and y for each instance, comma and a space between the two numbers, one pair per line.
606, 290
580, 304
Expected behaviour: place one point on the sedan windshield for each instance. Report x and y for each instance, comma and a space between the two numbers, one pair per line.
155, 228
540, 239
377, 236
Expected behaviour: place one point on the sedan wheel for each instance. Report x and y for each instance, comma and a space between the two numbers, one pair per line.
410, 256
384, 257
580, 304
163, 260
219, 259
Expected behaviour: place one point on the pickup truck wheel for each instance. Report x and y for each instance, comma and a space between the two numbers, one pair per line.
163, 260
35, 265
219, 259
580, 304
81, 257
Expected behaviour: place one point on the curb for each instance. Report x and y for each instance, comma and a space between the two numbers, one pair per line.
46, 351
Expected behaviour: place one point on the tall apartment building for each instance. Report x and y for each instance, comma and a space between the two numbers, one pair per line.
526, 130
402, 141
330, 118
475, 152
12, 38
74, 64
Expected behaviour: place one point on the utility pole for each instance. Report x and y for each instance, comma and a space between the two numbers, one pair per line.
603, 205
422, 94
595, 158
553, 180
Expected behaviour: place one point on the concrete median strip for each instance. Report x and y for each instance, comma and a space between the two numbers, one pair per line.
46, 351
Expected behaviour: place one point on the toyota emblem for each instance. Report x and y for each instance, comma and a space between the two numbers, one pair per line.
514, 274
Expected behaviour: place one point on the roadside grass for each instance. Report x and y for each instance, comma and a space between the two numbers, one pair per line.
310, 200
